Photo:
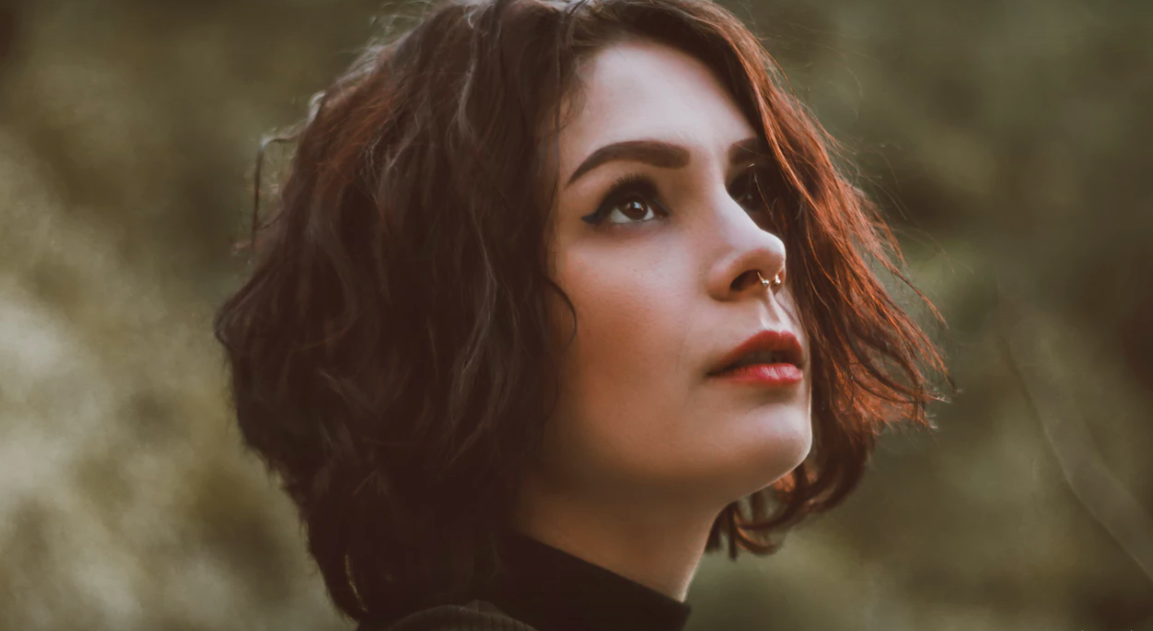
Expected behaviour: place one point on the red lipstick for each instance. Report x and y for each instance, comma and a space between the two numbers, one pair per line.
769, 358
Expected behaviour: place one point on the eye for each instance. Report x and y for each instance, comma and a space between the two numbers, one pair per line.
631, 209
749, 190
632, 199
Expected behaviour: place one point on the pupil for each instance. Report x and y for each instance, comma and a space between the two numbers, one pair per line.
750, 192
634, 210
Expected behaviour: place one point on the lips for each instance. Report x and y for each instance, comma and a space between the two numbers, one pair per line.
766, 347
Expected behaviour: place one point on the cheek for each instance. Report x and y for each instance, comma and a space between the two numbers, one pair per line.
630, 325
622, 394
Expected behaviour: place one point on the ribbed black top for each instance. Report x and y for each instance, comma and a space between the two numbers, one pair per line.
544, 588
547, 589
552, 590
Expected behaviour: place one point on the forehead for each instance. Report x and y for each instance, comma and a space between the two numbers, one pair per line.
640, 88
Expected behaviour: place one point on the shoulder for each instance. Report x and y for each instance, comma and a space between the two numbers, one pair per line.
476, 615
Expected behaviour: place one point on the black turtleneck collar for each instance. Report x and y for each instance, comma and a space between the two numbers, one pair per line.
552, 590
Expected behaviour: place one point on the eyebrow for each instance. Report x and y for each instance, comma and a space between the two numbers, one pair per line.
659, 154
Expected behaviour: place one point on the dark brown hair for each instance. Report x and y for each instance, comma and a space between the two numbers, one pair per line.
391, 354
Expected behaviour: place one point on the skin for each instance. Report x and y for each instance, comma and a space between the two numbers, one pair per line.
644, 449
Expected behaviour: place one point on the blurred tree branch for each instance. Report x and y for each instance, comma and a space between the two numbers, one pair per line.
1094, 486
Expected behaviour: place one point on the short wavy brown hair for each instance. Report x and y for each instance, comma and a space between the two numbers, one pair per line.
390, 353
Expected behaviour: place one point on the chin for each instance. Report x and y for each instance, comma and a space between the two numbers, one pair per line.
775, 444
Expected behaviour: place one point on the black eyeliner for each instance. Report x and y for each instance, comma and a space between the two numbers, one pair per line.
624, 186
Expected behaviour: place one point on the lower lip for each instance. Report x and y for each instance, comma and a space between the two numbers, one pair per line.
763, 375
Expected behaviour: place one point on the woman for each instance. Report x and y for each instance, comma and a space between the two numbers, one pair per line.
556, 298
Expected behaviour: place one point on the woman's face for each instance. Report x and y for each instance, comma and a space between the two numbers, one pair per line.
664, 286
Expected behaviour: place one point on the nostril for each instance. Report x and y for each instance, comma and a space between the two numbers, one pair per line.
743, 280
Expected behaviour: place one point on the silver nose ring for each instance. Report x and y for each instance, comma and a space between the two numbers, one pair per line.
775, 283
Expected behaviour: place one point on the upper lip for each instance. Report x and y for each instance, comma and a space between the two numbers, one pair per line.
769, 340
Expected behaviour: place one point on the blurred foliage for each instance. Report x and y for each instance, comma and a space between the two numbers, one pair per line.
1007, 141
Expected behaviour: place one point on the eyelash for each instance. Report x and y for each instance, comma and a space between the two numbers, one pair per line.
643, 186
621, 191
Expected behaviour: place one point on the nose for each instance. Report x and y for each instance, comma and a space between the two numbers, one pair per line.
746, 254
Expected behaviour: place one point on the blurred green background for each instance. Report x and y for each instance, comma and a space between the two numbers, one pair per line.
1008, 142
